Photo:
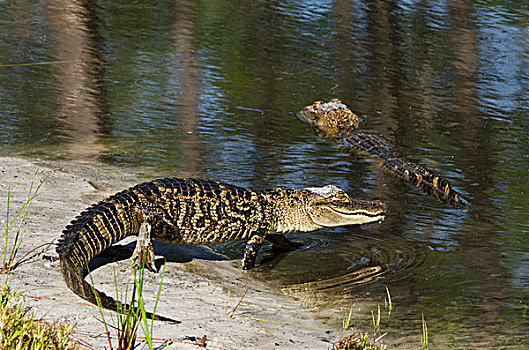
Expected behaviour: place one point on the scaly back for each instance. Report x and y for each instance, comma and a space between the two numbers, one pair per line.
190, 212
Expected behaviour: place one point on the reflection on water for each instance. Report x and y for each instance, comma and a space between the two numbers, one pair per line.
75, 83
330, 270
210, 89
319, 294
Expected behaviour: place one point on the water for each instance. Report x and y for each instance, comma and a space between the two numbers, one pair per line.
210, 89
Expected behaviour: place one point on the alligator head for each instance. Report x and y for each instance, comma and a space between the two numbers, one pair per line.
329, 206
329, 119
317, 207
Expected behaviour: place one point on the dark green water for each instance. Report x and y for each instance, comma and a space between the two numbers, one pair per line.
210, 89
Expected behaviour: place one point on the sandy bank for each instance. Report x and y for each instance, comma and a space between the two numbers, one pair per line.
197, 284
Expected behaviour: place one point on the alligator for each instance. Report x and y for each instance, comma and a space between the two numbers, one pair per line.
336, 121
200, 212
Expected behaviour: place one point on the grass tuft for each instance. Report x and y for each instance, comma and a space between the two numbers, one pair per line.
20, 330
357, 341
361, 341
130, 315
346, 322
138, 285
11, 249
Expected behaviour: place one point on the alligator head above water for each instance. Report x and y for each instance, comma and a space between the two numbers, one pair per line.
329, 119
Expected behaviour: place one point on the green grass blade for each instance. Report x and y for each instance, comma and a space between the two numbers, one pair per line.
424, 336
157, 297
5, 235
8, 262
99, 307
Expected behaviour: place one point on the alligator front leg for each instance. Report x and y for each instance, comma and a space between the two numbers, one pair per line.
144, 252
252, 247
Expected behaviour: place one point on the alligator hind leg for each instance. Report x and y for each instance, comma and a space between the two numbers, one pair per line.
144, 252
156, 224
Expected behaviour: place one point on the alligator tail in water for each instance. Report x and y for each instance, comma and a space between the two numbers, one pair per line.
198, 212
334, 119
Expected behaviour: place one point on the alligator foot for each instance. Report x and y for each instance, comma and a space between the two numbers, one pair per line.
144, 252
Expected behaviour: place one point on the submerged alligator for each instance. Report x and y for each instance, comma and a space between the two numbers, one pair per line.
334, 119
200, 212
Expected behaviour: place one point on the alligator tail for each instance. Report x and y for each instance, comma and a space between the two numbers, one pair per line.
73, 275
392, 161
425, 180
94, 230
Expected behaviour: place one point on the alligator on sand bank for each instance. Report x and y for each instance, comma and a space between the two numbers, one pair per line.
200, 212
335, 120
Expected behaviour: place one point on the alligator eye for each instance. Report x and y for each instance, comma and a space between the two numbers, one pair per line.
341, 196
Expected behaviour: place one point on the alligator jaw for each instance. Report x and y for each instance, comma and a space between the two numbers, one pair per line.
357, 213
360, 217
333, 207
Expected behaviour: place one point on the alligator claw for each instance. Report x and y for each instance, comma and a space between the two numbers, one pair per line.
248, 263
144, 257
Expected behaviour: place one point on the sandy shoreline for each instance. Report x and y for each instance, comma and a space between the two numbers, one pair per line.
197, 284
